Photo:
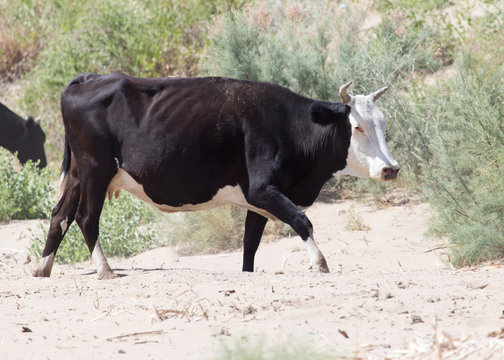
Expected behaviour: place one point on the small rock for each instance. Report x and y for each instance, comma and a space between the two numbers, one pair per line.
415, 319
249, 310
401, 285
343, 333
227, 292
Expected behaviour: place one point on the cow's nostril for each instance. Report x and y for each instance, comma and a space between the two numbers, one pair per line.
389, 173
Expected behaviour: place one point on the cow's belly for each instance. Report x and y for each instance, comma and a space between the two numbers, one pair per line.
227, 195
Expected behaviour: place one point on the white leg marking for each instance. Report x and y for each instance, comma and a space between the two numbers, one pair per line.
64, 225
45, 266
317, 260
99, 260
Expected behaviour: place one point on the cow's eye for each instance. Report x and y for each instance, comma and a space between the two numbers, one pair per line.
359, 129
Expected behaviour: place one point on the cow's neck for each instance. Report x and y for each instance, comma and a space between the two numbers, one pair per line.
318, 162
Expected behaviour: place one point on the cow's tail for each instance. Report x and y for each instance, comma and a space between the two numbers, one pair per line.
65, 168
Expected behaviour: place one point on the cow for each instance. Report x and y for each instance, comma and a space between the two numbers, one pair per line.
25, 137
187, 144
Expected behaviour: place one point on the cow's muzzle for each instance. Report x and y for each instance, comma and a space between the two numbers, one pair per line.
389, 173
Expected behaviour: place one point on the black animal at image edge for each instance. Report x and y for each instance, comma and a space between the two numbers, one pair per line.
24, 136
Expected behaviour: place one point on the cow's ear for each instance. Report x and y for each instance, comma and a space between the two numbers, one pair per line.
328, 113
30, 122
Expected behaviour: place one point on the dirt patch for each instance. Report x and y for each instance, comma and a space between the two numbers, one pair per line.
390, 294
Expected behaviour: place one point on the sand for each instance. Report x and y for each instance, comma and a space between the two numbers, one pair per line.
390, 294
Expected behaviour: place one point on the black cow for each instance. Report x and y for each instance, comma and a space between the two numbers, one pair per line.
24, 136
184, 144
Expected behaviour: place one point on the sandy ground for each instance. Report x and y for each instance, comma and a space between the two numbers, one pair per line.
389, 295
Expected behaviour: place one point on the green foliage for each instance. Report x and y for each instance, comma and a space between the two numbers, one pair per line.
126, 229
241, 349
463, 170
411, 5
138, 38
55, 40
262, 45
24, 192
313, 52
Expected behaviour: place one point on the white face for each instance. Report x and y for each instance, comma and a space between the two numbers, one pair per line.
368, 155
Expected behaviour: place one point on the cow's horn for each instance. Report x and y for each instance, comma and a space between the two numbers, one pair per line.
347, 99
379, 93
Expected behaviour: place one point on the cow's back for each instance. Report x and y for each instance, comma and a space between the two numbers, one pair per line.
181, 138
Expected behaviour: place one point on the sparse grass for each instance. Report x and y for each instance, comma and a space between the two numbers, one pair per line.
355, 222
243, 349
213, 231
206, 232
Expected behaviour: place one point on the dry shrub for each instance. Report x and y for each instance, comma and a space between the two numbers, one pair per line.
10, 51
214, 231
15, 56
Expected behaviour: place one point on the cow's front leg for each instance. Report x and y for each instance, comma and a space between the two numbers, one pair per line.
100, 262
269, 198
317, 259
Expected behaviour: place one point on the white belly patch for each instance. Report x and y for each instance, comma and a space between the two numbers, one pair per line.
227, 195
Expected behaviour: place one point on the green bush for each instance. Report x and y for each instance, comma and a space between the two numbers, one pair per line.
24, 191
139, 38
463, 170
261, 44
126, 229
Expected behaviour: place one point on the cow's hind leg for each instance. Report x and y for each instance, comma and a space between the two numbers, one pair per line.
254, 227
63, 215
93, 190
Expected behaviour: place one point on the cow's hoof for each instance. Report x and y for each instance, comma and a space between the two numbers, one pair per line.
321, 267
107, 275
39, 272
